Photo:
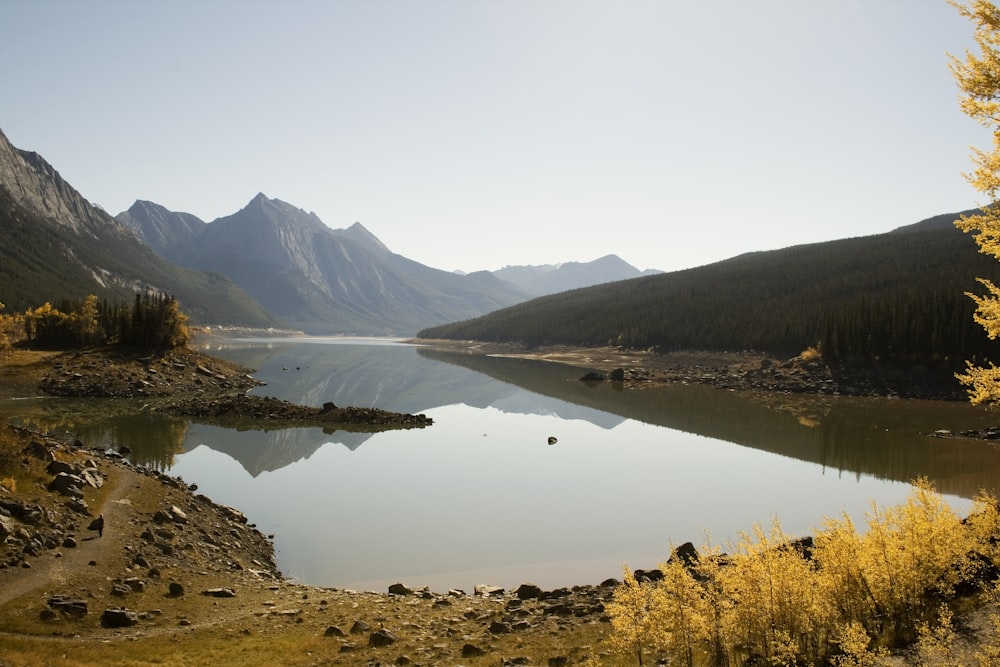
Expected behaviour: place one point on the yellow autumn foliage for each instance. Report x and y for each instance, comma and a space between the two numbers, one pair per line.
978, 79
840, 598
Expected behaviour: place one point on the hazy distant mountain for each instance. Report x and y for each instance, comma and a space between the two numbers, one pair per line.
551, 278
170, 234
318, 279
55, 245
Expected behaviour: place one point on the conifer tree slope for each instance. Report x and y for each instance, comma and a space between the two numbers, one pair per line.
892, 295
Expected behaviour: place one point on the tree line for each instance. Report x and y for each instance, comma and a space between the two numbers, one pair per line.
897, 295
152, 321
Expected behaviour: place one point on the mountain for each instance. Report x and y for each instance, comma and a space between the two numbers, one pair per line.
319, 279
899, 295
545, 279
55, 245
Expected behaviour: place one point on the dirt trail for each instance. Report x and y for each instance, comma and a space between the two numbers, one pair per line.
54, 567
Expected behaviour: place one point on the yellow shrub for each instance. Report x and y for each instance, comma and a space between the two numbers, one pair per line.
841, 601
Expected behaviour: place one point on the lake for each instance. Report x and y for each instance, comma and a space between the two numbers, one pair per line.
482, 497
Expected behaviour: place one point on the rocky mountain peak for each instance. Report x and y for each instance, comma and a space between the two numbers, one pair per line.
35, 185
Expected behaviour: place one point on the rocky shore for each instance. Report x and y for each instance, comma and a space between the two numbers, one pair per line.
187, 383
739, 371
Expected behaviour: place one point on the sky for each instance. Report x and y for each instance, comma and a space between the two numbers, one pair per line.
477, 134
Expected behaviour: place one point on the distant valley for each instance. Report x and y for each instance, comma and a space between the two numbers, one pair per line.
273, 265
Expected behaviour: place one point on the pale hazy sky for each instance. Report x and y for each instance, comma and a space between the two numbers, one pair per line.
473, 134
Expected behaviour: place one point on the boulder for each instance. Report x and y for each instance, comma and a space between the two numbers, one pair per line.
499, 628
380, 638
175, 590
119, 617
487, 590
177, 514
92, 477
528, 592
79, 505
472, 651
56, 467
67, 485
400, 589
67, 605
687, 553
136, 584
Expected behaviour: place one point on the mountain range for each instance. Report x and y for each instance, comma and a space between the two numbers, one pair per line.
274, 265
346, 281
269, 265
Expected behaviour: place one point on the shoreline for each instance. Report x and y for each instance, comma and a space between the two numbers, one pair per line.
738, 371
162, 535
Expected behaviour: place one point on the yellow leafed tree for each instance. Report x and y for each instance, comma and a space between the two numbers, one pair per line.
978, 79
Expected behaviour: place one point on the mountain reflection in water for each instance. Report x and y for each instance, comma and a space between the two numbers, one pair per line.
481, 494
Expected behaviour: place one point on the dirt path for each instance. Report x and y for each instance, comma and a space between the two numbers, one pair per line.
53, 568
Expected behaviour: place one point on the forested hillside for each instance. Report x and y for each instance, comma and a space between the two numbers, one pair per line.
898, 294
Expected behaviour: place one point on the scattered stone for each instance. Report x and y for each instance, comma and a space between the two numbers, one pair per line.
334, 631
360, 627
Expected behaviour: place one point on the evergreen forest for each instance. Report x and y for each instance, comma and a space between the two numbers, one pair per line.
893, 296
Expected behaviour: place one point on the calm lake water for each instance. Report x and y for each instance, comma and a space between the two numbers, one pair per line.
481, 497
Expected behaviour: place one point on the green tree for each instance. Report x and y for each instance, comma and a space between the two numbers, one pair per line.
978, 79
